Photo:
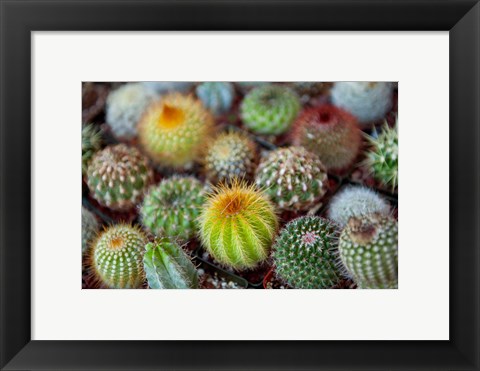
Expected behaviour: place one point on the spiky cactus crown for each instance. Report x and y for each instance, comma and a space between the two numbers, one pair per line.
355, 201
163, 87
293, 178
382, 157
368, 101
369, 251
117, 257
329, 132
237, 225
174, 129
168, 267
305, 253
230, 155
216, 96
124, 108
270, 109
91, 143
117, 177
171, 208
90, 228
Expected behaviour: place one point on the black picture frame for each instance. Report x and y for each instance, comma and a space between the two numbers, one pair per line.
18, 18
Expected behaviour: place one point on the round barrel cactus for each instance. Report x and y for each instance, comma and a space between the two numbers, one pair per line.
91, 143
270, 109
237, 225
174, 130
305, 253
117, 257
368, 248
216, 96
90, 227
170, 209
293, 178
117, 177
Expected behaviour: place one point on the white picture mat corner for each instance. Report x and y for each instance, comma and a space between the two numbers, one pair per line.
417, 310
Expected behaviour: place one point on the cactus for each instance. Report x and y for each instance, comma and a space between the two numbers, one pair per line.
369, 251
91, 143
174, 130
90, 227
305, 254
237, 225
230, 155
293, 178
367, 101
125, 106
216, 96
270, 109
117, 177
382, 158
164, 87
170, 209
329, 132
117, 257
168, 267
356, 201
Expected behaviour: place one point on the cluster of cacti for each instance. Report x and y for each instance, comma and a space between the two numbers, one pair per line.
293, 178
118, 176
174, 129
90, 226
125, 106
368, 248
356, 201
163, 87
270, 109
305, 254
216, 96
116, 257
329, 132
237, 225
168, 267
368, 101
230, 155
91, 143
382, 157
170, 209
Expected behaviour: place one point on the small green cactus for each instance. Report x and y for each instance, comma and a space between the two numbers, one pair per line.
117, 177
369, 251
170, 209
117, 257
270, 109
237, 225
230, 155
382, 157
91, 143
174, 130
329, 132
293, 178
168, 267
305, 253
216, 96
90, 227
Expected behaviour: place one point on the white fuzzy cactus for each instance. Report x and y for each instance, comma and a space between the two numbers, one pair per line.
356, 201
367, 101
125, 106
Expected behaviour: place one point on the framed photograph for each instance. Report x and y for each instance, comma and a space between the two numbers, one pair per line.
239, 185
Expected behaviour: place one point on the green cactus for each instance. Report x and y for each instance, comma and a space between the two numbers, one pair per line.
305, 253
382, 157
368, 248
90, 227
168, 267
91, 143
237, 225
329, 132
170, 209
117, 257
230, 155
293, 178
174, 130
117, 177
270, 109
